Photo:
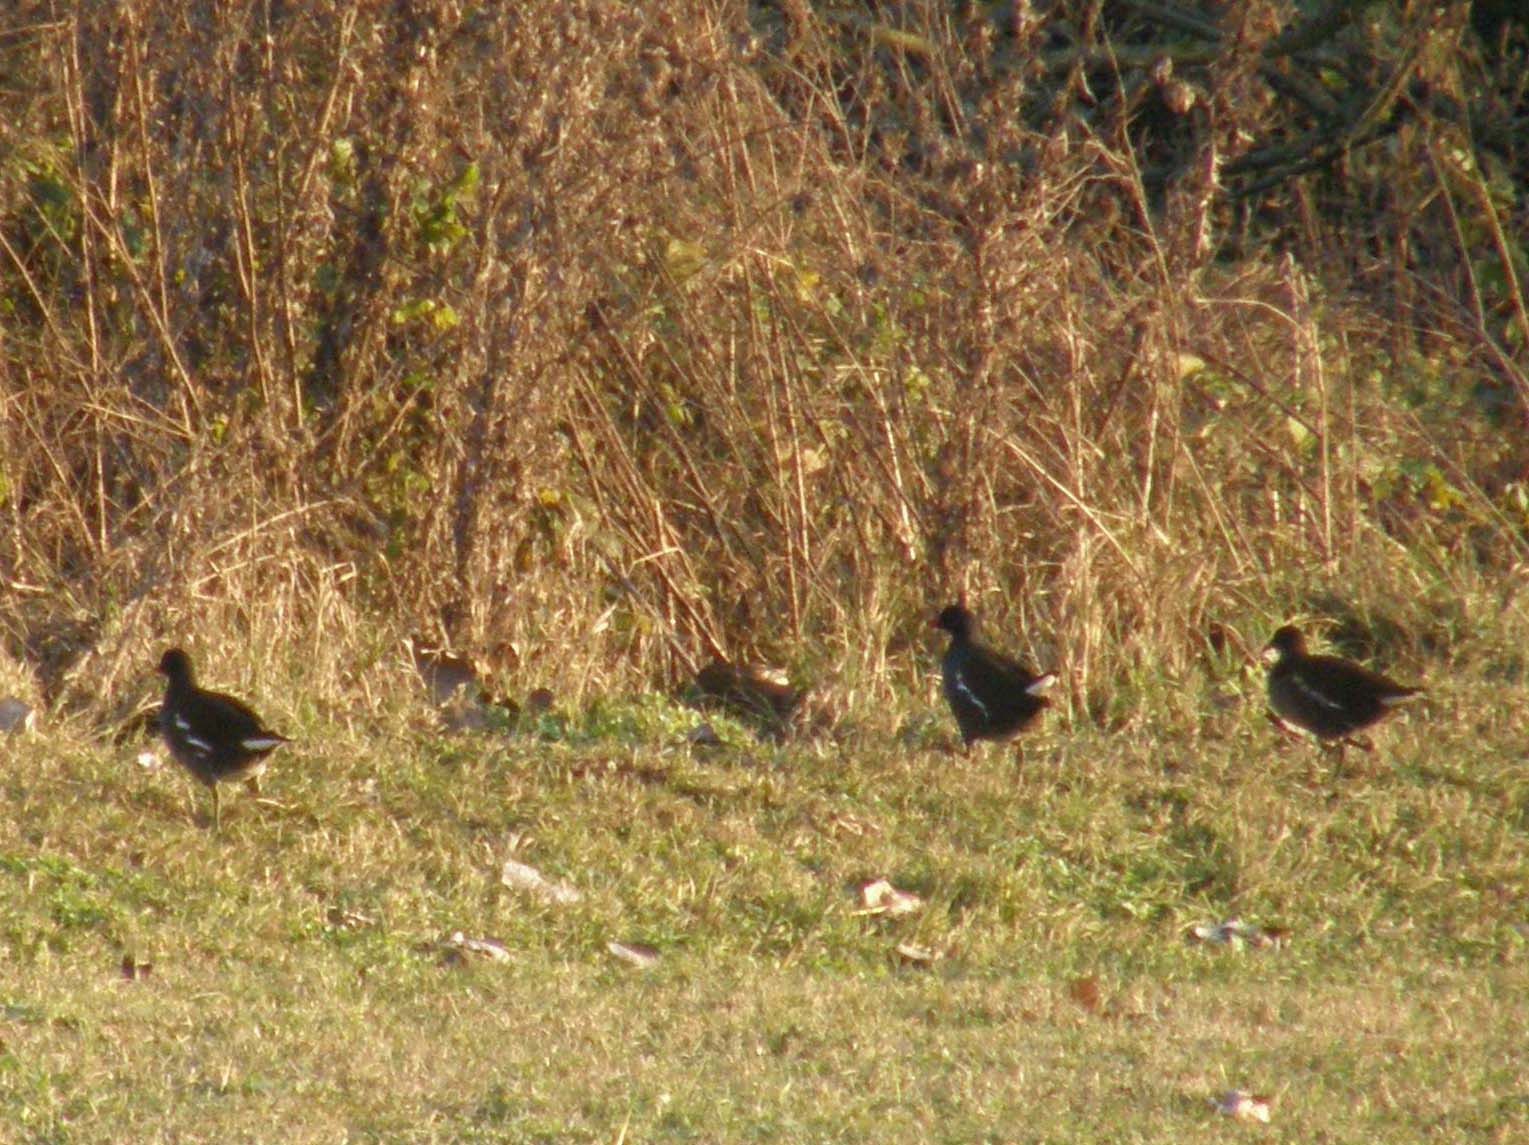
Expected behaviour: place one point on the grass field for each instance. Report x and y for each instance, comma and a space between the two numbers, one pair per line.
301, 986
598, 341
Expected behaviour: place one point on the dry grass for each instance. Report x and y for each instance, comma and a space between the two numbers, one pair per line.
753, 339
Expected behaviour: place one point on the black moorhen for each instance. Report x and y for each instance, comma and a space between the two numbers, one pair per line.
211, 735
993, 696
1327, 696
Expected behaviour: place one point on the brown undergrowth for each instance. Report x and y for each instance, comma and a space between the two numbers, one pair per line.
613, 340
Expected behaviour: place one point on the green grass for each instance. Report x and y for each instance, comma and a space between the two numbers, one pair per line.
300, 990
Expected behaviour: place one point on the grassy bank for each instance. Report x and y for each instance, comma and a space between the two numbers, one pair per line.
302, 984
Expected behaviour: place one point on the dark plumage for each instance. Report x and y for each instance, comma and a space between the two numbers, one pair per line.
1326, 696
991, 695
211, 735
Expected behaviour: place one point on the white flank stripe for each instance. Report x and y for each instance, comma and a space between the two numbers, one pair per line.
199, 744
182, 722
259, 743
960, 685
1315, 694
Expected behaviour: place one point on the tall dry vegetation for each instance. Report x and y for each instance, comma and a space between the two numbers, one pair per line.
617, 338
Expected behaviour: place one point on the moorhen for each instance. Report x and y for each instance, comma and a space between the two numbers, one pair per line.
1327, 697
993, 696
212, 735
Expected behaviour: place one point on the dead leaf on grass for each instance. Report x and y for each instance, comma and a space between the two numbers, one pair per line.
1244, 1106
1086, 993
522, 877
911, 954
880, 897
844, 823
639, 954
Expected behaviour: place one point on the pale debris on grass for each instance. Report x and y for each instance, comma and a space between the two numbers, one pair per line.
342, 918
844, 823
638, 954
912, 954
1238, 934
880, 897
459, 946
1244, 1106
522, 877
